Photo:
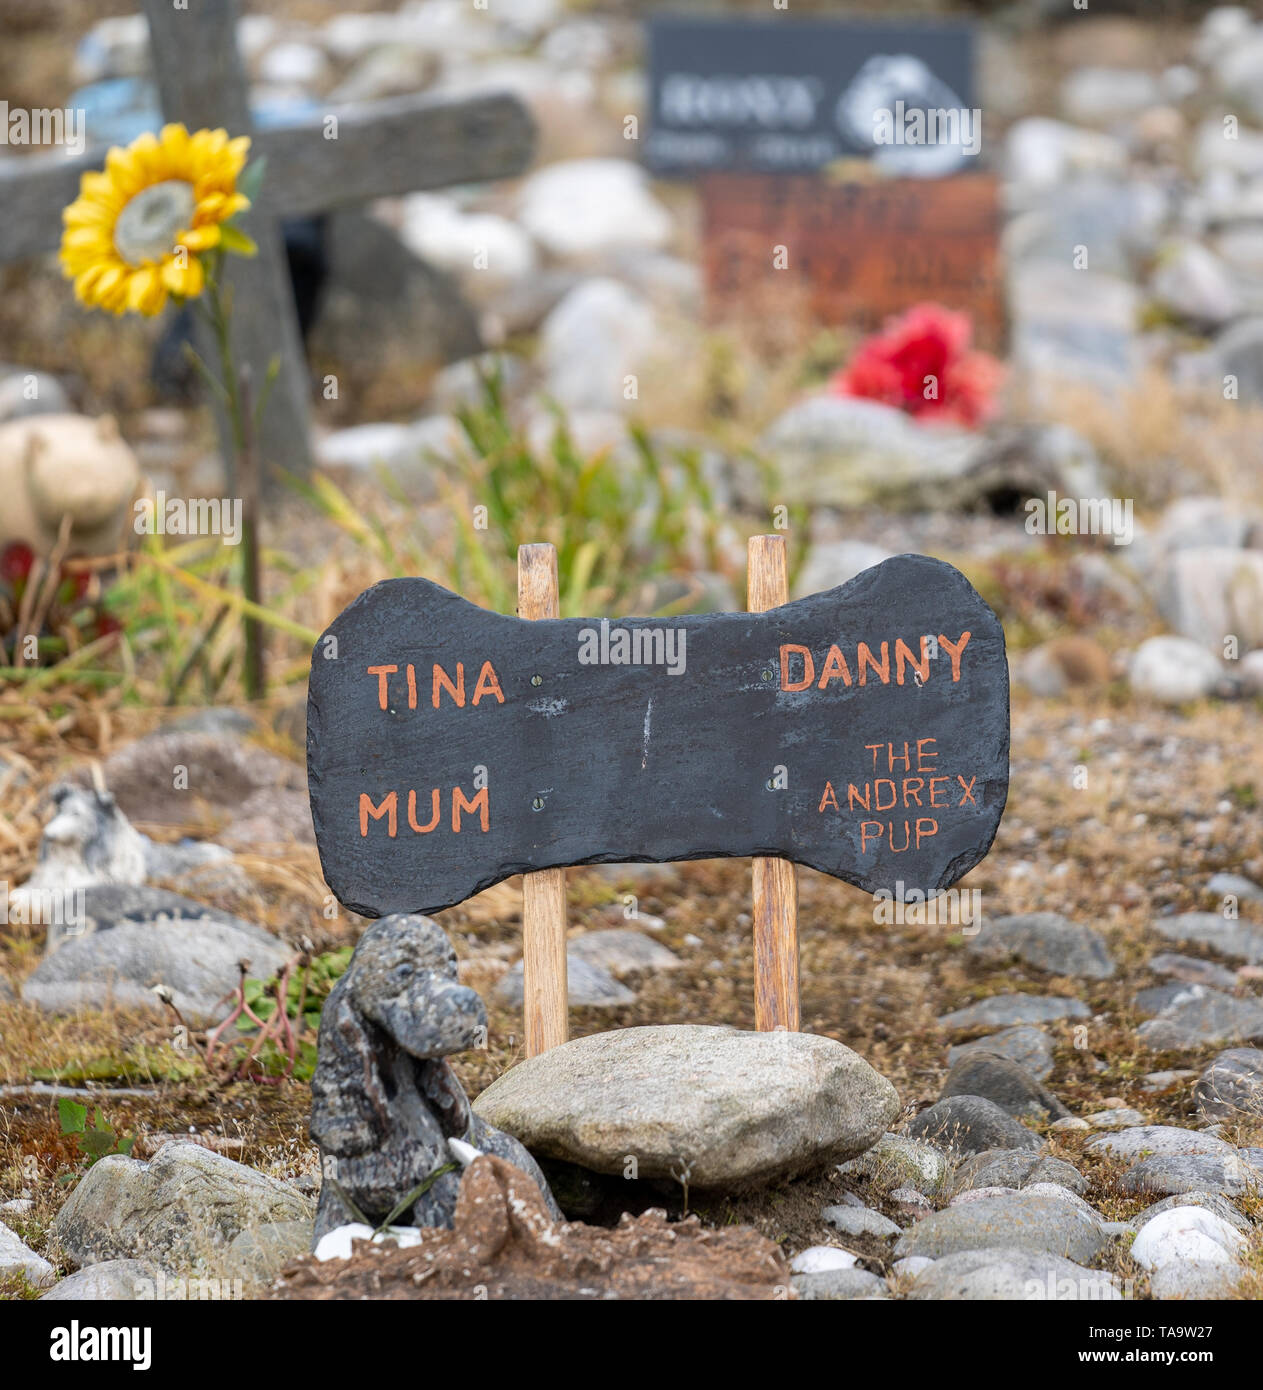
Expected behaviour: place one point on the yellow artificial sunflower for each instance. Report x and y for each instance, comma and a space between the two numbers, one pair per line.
135, 233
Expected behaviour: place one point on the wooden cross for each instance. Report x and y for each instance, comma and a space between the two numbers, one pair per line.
345, 156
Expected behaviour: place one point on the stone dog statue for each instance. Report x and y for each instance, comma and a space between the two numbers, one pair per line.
384, 1101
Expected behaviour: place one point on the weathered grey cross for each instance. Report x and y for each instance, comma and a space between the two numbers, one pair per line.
369, 151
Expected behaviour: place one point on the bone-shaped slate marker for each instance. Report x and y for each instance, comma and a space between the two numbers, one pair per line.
863, 731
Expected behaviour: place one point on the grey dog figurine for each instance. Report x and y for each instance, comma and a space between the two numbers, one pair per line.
384, 1099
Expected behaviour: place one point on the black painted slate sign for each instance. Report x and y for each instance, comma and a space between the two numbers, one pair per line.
863, 731
788, 95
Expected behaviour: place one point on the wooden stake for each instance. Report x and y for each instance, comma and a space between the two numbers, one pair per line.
545, 999
774, 889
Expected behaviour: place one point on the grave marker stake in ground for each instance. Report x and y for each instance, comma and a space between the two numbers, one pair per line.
774, 881
544, 985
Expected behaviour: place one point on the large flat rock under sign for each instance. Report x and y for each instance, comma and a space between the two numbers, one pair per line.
714, 1106
863, 731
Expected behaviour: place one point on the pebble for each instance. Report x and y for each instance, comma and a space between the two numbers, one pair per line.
17, 1258
1046, 941
1006, 1168
1200, 1015
1016, 1220
1203, 1172
1001, 1010
1193, 971
1195, 1279
1030, 1047
1228, 935
1005, 1274
1004, 1082
1212, 1201
838, 1285
172, 1210
1148, 1141
898, 1161
1234, 886
1185, 1233
587, 986
852, 1221
621, 950
110, 1281
971, 1124
1115, 1119
817, 1259
1232, 1085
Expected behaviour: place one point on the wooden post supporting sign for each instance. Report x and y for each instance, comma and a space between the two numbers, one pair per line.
775, 883
544, 985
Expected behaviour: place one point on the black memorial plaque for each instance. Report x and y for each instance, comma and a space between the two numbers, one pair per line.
791, 96
863, 731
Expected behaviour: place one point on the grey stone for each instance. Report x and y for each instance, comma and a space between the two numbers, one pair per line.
1031, 1048
17, 1258
1192, 970
722, 1106
1104, 95
384, 1099
1212, 1201
1203, 1172
971, 1124
582, 210
1123, 1118
1006, 1168
1147, 1141
1212, 590
179, 1209
1047, 941
1234, 885
1227, 935
113, 1281
1201, 1015
1238, 350
1003, 1081
1158, 998
837, 1285
1194, 522
587, 985
831, 563
859, 1221
1232, 1085
1173, 670
1002, 1010
32, 393
258, 1255
1195, 1279
621, 950
1021, 1221
1194, 283
1005, 1274
897, 1161
599, 333
846, 452
224, 772
138, 938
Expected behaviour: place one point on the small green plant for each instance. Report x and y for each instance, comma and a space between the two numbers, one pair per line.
94, 1141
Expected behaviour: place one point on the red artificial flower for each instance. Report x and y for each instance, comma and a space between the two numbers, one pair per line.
922, 363
16, 560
